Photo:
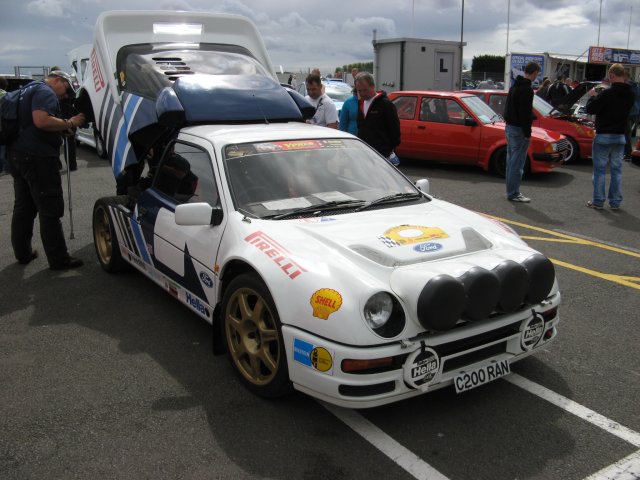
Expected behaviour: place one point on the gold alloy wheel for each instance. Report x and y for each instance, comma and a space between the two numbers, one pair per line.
253, 338
102, 235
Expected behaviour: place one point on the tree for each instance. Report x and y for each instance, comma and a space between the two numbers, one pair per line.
488, 63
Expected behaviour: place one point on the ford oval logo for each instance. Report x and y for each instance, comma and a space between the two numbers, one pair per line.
428, 247
206, 279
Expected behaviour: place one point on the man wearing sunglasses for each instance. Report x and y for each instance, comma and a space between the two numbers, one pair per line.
33, 158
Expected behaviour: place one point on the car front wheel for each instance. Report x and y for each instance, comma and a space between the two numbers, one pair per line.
254, 337
499, 161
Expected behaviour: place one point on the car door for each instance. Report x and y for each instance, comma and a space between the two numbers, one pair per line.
184, 254
406, 106
443, 133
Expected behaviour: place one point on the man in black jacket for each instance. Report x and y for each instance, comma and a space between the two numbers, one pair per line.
611, 108
378, 123
518, 114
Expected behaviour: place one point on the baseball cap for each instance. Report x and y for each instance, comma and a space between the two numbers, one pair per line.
64, 76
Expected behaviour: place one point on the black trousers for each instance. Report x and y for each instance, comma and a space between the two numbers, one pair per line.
38, 191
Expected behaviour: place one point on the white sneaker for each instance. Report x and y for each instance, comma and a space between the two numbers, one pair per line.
520, 198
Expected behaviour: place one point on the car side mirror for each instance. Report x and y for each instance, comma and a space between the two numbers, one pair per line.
470, 122
198, 214
423, 185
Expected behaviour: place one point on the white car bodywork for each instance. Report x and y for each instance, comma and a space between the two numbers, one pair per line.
318, 264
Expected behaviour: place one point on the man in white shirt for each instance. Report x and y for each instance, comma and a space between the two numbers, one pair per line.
326, 114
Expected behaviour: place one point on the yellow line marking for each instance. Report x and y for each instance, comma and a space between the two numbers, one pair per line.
605, 276
577, 240
547, 239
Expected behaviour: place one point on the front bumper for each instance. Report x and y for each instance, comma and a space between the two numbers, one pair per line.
315, 364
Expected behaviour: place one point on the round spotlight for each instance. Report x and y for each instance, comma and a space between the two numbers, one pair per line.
441, 303
482, 288
542, 274
514, 284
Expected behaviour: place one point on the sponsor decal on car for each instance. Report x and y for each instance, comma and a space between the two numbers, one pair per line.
98, 79
421, 367
206, 279
313, 356
280, 255
298, 145
532, 331
195, 303
137, 261
428, 247
409, 234
325, 302
171, 288
316, 220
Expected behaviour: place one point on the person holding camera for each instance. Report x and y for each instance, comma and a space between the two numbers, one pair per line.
33, 159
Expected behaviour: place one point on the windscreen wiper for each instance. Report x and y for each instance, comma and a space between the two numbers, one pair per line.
394, 197
334, 204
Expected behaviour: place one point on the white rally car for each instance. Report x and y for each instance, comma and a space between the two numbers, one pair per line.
319, 265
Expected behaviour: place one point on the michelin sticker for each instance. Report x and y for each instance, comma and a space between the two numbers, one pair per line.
312, 356
421, 368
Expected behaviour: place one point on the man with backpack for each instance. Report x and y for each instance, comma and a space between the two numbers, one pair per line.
557, 91
33, 160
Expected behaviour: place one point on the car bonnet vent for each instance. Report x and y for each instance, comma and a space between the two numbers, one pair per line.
172, 67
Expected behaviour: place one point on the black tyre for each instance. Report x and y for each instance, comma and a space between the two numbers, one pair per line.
100, 148
104, 235
253, 337
499, 162
574, 156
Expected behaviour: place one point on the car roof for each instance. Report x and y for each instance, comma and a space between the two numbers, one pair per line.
261, 132
485, 90
433, 93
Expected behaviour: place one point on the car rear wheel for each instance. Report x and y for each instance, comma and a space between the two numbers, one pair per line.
499, 162
104, 234
254, 337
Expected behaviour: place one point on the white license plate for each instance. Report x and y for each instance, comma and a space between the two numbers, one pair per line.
474, 378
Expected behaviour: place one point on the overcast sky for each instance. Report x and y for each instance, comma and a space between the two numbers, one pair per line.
305, 34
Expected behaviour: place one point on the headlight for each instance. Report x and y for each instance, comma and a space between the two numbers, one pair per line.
551, 147
384, 315
378, 309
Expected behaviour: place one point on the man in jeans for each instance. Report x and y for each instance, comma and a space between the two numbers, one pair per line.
518, 115
611, 108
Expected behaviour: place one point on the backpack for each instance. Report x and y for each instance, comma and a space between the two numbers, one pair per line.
10, 115
9, 123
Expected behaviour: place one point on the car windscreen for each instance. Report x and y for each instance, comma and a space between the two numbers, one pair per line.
338, 93
481, 109
275, 177
145, 69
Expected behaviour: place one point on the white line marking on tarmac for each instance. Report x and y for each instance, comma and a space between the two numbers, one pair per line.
626, 469
406, 459
570, 406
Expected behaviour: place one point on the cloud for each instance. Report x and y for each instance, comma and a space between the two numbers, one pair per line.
47, 8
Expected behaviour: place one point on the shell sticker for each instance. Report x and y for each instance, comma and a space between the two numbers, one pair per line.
325, 302
409, 234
